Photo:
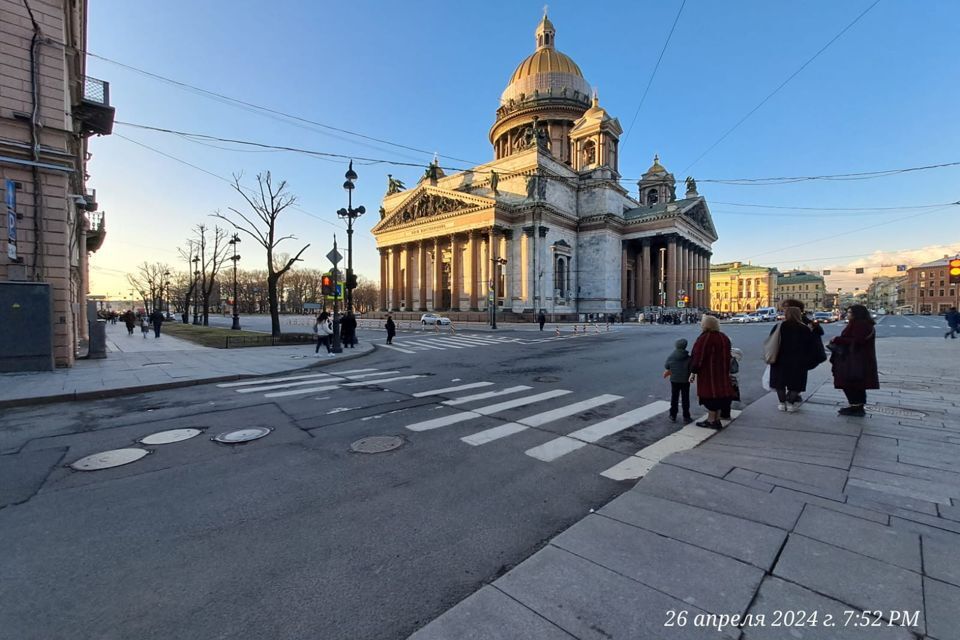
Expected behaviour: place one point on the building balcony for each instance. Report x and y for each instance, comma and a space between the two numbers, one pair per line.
96, 231
94, 112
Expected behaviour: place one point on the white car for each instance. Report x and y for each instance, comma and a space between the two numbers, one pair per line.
741, 318
756, 317
432, 318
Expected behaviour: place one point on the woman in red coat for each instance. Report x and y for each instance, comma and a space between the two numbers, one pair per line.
854, 360
710, 368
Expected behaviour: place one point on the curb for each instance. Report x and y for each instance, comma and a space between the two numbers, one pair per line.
161, 386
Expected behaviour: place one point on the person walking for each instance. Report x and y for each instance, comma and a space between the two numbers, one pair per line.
677, 368
736, 355
542, 319
144, 325
391, 328
324, 331
156, 318
854, 360
797, 353
130, 320
348, 330
953, 322
710, 369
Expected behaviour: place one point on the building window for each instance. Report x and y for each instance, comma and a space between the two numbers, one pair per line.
941, 293
560, 276
652, 197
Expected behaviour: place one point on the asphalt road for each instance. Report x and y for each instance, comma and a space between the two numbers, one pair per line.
297, 536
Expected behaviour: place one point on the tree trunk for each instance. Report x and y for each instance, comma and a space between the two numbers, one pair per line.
274, 305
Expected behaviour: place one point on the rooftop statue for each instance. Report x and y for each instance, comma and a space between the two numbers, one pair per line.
394, 186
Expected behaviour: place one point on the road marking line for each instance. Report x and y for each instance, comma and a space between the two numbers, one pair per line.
442, 343
478, 341
367, 375
559, 447
298, 392
467, 344
368, 382
502, 431
463, 416
484, 396
390, 346
284, 385
630, 469
422, 345
349, 371
247, 383
462, 387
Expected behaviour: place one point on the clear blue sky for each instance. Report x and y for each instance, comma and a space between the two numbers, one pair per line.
429, 75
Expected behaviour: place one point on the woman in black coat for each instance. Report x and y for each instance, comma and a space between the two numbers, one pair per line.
391, 328
854, 360
788, 375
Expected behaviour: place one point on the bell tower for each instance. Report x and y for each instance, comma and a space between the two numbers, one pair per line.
594, 139
657, 185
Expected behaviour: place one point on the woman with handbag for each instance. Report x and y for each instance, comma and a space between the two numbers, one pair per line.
797, 353
710, 369
324, 332
854, 360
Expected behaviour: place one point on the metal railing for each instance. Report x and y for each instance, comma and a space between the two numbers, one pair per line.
94, 222
97, 91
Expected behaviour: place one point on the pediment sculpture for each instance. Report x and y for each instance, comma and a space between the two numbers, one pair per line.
424, 207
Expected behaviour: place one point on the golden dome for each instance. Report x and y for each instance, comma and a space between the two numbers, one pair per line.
546, 71
545, 60
656, 167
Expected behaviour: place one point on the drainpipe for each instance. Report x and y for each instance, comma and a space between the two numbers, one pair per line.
38, 253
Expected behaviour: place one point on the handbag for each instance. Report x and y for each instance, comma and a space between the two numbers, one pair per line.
771, 346
817, 353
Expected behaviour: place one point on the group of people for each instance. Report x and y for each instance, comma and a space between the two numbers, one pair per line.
145, 321
793, 347
688, 317
323, 328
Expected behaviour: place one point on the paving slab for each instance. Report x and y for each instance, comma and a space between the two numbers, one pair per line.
865, 512
828, 478
592, 602
489, 614
861, 536
780, 602
701, 578
943, 615
901, 485
751, 542
696, 489
850, 577
941, 560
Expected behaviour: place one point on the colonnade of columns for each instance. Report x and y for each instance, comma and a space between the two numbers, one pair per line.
656, 270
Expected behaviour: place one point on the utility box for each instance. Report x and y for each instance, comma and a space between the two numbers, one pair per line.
97, 349
26, 326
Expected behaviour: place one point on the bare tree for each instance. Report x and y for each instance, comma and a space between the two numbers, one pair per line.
267, 205
213, 253
148, 281
192, 251
366, 295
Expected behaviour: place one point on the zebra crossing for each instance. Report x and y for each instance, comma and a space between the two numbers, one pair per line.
439, 342
468, 404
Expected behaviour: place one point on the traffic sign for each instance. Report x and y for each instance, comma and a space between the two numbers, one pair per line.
700, 286
681, 304
334, 257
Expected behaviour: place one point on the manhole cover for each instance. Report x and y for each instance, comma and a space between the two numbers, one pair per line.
173, 435
894, 411
546, 379
242, 435
108, 459
376, 444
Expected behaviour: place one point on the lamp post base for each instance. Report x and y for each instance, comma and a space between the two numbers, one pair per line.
236, 322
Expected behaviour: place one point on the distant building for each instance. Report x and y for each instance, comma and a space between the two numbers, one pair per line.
927, 288
805, 286
886, 292
741, 288
49, 108
830, 301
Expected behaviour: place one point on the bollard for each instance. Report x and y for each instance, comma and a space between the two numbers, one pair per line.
574, 329
452, 330
558, 331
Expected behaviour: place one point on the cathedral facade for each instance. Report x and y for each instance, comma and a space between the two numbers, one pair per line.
546, 225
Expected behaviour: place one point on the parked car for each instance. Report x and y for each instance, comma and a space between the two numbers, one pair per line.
432, 318
756, 317
767, 313
824, 317
741, 318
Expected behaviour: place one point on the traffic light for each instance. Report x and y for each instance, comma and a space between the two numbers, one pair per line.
954, 271
326, 285
351, 281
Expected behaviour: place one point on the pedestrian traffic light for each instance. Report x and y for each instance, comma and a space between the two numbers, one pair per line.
326, 285
351, 281
954, 271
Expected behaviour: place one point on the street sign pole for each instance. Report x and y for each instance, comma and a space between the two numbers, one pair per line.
335, 257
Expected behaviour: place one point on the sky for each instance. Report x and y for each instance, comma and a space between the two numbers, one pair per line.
427, 76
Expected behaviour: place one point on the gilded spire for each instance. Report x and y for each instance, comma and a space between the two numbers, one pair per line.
546, 33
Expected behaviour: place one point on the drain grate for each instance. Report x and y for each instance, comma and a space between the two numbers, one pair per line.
172, 435
895, 412
377, 444
108, 459
242, 435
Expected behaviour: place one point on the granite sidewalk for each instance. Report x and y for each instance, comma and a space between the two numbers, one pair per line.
780, 526
136, 365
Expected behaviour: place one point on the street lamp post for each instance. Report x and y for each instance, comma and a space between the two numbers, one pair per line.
196, 282
165, 291
234, 241
494, 285
350, 214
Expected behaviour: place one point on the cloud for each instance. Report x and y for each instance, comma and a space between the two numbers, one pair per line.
845, 276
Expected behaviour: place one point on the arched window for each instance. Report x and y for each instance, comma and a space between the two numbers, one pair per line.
589, 153
560, 277
652, 197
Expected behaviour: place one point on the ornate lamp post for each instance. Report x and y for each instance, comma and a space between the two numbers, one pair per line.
350, 214
234, 241
165, 290
196, 281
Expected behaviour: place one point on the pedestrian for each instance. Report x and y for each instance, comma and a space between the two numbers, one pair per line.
854, 360
953, 322
391, 328
542, 319
797, 353
156, 318
130, 320
640, 318
677, 368
348, 330
144, 325
710, 369
324, 331
735, 356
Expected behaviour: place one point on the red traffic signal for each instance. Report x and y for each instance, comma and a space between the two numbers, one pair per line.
954, 271
326, 285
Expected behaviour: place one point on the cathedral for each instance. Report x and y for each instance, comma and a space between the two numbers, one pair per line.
547, 224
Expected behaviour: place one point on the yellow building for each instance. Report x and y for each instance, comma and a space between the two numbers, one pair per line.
741, 288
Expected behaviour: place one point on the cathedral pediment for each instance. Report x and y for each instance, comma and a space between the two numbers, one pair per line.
699, 214
429, 202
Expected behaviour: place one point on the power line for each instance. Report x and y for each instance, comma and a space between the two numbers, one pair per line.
774, 206
652, 75
781, 86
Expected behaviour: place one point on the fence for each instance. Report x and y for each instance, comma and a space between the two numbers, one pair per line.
233, 342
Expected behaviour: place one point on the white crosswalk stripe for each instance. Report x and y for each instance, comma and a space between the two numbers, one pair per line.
456, 418
536, 420
328, 378
300, 377
401, 350
485, 395
462, 387
421, 344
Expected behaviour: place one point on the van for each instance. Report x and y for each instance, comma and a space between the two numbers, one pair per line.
767, 313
